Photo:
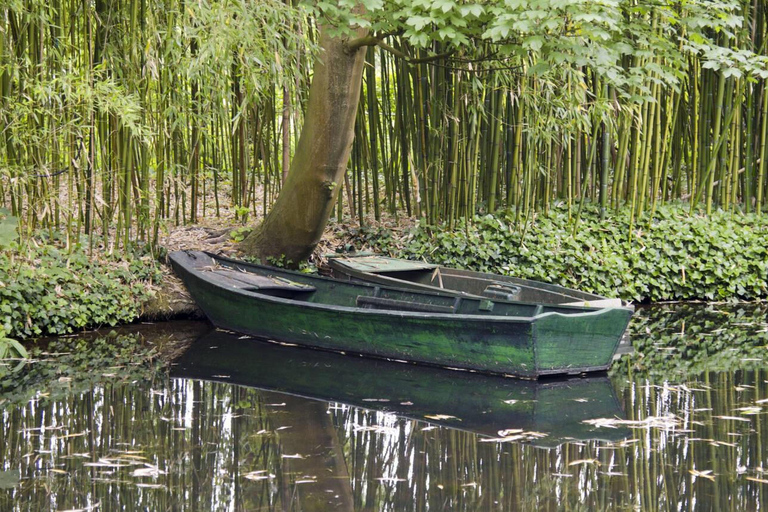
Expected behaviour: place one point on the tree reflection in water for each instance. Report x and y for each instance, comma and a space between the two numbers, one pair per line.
696, 441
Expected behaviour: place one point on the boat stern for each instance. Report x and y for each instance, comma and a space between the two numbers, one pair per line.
578, 343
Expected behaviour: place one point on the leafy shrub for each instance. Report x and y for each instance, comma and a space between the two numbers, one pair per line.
674, 256
680, 341
45, 290
63, 366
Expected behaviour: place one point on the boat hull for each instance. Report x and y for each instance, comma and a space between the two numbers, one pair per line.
545, 344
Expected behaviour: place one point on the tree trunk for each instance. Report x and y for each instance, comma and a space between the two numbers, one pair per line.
295, 224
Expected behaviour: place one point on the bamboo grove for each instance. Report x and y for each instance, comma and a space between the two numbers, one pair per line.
123, 118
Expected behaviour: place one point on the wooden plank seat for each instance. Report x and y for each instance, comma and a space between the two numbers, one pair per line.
269, 285
365, 301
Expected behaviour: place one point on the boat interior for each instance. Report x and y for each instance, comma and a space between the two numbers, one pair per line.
395, 272
321, 290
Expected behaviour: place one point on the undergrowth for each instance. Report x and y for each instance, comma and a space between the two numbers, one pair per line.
673, 256
47, 290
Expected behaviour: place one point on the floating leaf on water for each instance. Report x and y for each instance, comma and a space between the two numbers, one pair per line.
406, 403
379, 429
732, 418
511, 435
375, 399
707, 473
258, 475
107, 463
584, 461
667, 421
78, 434
149, 470
283, 428
439, 417
749, 410
510, 402
38, 429
619, 445
723, 443
83, 455
580, 400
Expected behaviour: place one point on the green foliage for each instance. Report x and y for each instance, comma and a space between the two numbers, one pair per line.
241, 212
686, 340
283, 262
239, 234
674, 256
64, 365
46, 290
10, 351
612, 38
119, 104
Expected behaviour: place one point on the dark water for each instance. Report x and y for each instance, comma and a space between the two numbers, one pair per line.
241, 425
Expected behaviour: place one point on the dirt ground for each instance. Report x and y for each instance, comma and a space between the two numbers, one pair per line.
216, 235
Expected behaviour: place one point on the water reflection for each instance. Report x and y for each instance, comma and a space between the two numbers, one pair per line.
547, 412
151, 442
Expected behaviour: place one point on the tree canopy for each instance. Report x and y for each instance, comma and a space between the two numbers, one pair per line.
630, 46
624, 41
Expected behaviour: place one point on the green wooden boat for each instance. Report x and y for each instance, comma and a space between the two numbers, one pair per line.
510, 338
430, 277
482, 404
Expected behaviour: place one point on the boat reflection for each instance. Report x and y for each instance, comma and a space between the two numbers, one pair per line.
550, 412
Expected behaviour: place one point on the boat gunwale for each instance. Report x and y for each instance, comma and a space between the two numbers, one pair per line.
340, 263
497, 319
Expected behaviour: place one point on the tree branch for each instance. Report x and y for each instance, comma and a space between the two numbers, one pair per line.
378, 40
354, 45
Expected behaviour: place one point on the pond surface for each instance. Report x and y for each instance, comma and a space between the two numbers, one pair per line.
239, 425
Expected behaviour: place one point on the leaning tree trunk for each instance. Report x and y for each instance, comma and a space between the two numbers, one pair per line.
296, 222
